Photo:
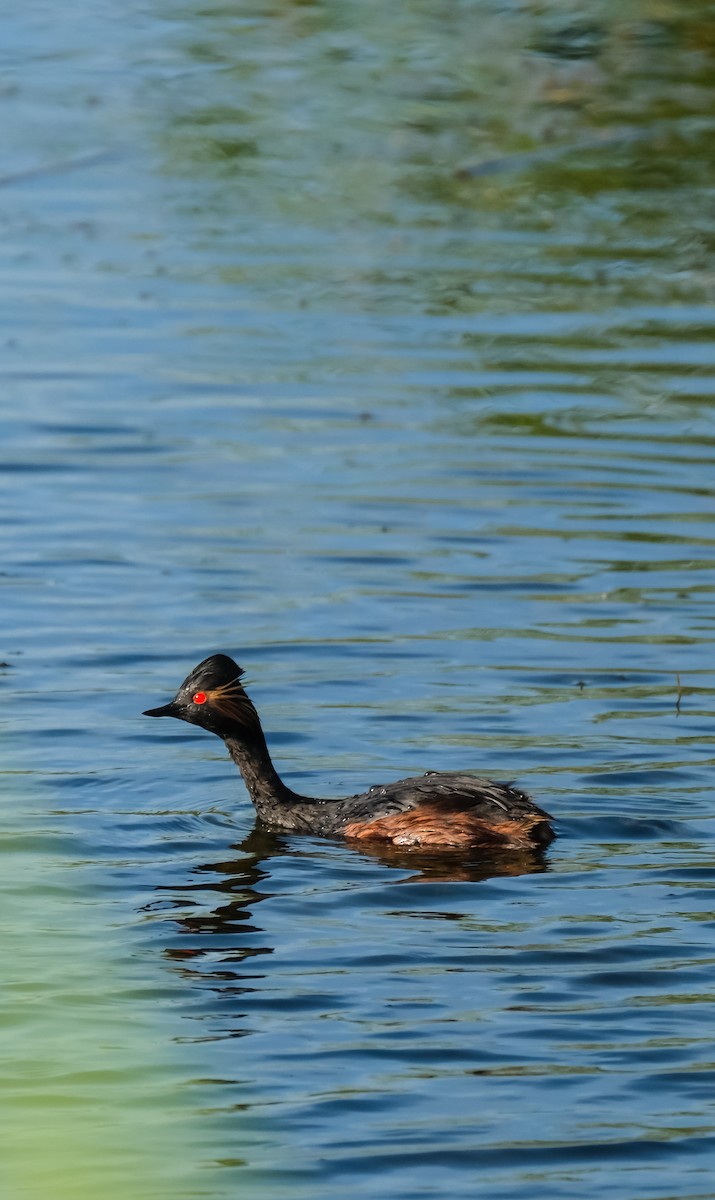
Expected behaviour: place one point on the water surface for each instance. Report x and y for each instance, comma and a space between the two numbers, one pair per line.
374, 348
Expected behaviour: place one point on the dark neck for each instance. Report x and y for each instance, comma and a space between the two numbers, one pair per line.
265, 786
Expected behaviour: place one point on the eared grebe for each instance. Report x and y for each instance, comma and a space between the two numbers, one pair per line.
440, 810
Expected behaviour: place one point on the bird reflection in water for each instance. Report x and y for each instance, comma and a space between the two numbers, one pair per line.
244, 882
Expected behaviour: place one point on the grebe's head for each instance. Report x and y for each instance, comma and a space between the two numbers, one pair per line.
212, 696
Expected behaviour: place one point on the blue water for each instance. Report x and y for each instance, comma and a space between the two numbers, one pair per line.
375, 348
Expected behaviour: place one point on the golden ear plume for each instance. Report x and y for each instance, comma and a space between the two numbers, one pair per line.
230, 700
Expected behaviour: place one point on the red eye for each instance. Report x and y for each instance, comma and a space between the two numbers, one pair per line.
199, 698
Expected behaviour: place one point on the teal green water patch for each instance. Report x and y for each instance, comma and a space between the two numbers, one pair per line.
97, 1096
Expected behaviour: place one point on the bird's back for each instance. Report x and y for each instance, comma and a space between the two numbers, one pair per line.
439, 809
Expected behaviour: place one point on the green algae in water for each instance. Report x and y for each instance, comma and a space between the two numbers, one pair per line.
96, 1097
